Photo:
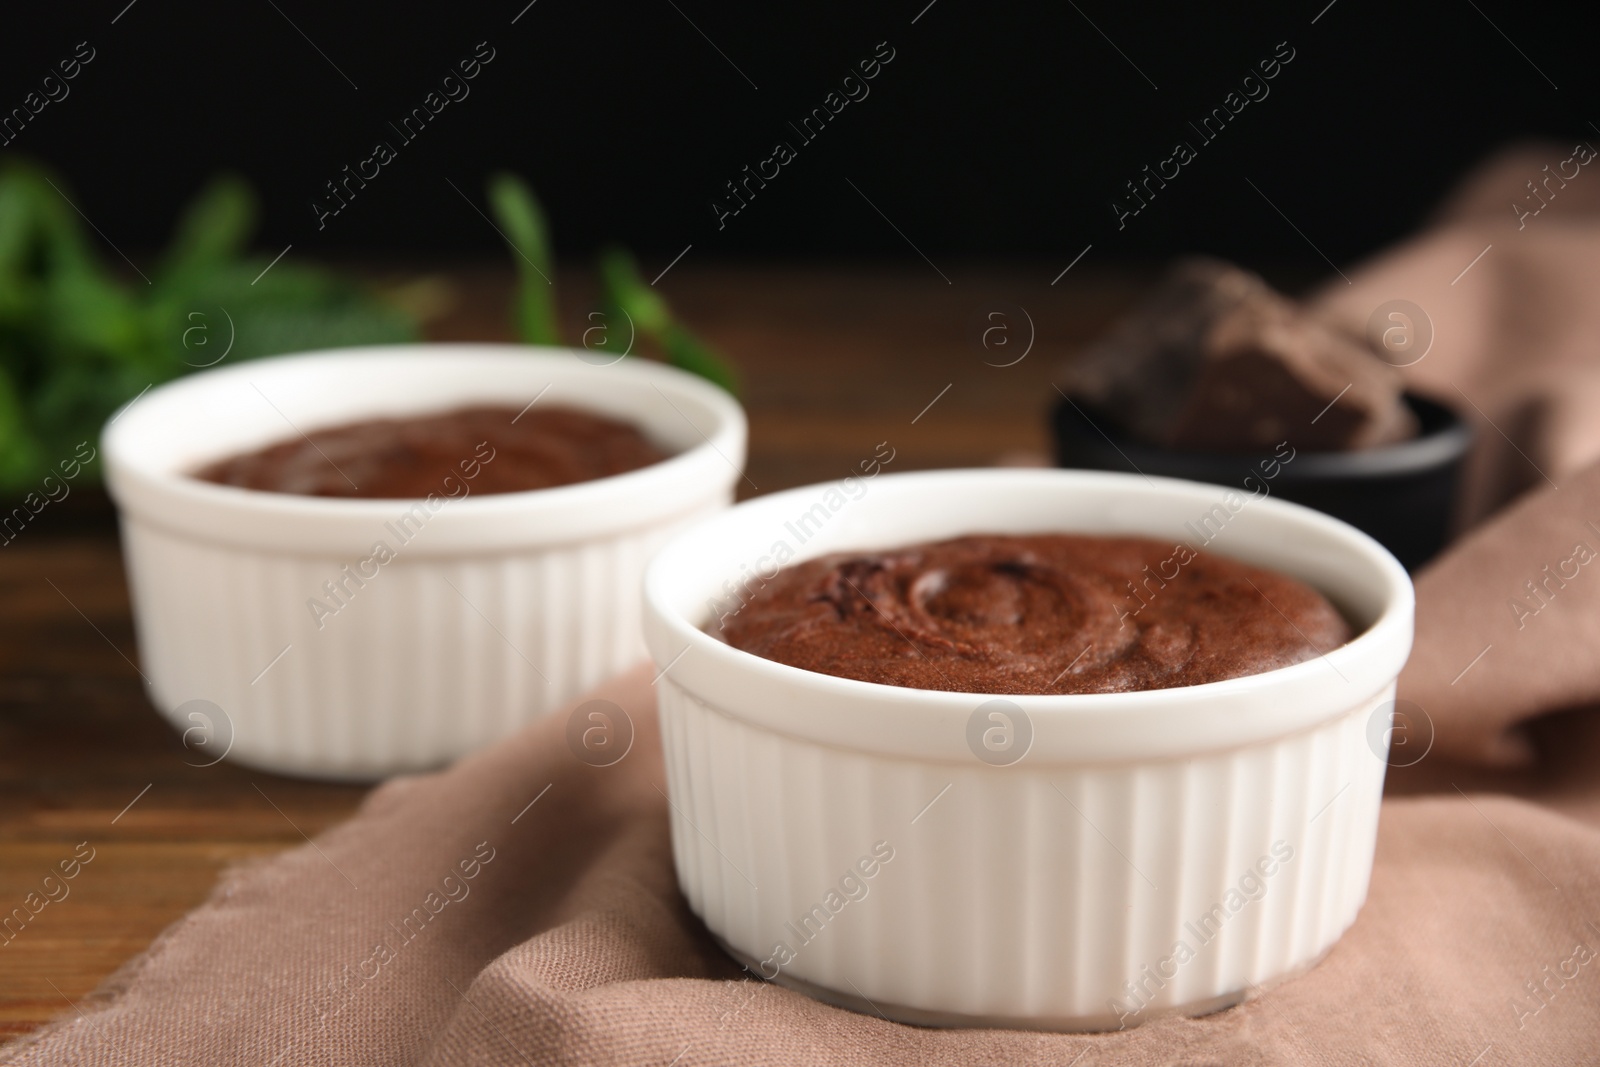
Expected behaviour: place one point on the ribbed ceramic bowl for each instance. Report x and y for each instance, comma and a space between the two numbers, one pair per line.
493, 608
1064, 862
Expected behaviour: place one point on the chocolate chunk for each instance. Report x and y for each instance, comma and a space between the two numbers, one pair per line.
1141, 372
1215, 360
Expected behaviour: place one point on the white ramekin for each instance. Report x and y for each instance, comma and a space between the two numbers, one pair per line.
498, 608
1054, 891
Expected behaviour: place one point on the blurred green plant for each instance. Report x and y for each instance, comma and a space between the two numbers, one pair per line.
624, 295
523, 226
76, 341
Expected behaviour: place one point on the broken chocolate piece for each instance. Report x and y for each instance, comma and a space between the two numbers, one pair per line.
1215, 360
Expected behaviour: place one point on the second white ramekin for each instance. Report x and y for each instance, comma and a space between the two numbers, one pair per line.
1146, 852
494, 609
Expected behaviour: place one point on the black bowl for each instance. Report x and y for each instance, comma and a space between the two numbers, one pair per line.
1403, 495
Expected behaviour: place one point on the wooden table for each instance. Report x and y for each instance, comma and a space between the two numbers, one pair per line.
835, 361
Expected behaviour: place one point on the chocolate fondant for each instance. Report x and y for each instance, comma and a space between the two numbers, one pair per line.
1049, 613
489, 449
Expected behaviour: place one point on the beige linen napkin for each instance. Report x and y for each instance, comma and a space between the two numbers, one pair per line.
451, 923
1508, 276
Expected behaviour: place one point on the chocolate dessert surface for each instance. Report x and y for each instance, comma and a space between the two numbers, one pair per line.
484, 449
1216, 360
1036, 614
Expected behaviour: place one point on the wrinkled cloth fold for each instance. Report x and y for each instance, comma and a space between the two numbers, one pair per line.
1507, 278
449, 922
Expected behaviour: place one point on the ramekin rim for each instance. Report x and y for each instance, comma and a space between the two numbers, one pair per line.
729, 433
1399, 601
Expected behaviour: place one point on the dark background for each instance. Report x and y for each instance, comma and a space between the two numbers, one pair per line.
994, 132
